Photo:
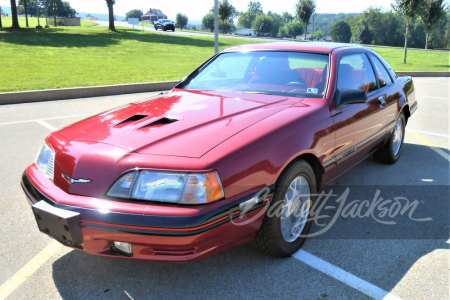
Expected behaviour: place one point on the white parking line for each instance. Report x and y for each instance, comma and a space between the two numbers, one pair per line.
344, 277
35, 120
424, 96
46, 125
430, 133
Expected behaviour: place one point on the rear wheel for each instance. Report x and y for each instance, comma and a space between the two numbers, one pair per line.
390, 153
289, 216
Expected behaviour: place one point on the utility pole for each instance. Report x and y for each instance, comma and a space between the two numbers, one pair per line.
45, 10
1, 17
216, 25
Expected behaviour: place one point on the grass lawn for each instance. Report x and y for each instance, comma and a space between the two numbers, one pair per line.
33, 22
89, 56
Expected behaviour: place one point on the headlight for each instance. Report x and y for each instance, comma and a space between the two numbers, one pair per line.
45, 161
182, 188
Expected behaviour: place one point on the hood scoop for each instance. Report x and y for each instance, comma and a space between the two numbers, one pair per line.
157, 124
129, 120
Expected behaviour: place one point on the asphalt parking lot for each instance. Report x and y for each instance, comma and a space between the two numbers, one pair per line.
34, 266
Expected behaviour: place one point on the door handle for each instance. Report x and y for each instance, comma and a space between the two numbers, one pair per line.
382, 101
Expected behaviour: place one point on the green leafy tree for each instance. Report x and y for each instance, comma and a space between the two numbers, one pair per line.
110, 4
286, 18
432, 13
304, 10
282, 32
225, 26
294, 28
277, 22
263, 25
363, 34
182, 20
319, 34
135, 13
208, 21
227, 12
408, 9
15, 20
245, 19
341, 32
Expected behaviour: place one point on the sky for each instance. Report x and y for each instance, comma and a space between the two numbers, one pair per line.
196, 9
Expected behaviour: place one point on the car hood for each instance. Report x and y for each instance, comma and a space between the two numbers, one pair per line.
180, 123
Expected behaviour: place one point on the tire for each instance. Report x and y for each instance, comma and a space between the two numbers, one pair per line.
390, 152
269, 239
164, 29
173, 30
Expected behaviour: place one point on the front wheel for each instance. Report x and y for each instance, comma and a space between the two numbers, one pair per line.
390, 153
288, 219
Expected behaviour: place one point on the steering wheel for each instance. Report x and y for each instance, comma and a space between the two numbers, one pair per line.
299, 84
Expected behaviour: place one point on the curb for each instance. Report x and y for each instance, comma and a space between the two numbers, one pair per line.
108, 90
424, 73
83, 92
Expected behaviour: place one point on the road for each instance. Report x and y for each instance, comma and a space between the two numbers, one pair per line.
341, 265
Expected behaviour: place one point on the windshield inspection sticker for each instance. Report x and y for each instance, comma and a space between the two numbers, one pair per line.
312, 91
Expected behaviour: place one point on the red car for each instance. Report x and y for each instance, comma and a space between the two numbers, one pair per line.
192, 172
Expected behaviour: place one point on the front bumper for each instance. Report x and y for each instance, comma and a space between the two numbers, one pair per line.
153, 237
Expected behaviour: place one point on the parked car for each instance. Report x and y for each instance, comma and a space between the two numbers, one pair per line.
190, 173
164, 25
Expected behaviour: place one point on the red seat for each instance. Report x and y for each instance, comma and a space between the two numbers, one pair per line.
311, 76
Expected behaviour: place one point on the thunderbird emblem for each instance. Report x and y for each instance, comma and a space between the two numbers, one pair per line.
72, 181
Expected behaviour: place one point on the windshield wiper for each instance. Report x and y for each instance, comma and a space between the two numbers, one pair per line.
262, 93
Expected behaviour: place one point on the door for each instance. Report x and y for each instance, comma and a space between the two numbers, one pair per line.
358, 126
386, 91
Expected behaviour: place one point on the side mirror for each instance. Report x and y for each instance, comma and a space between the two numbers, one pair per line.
349, 96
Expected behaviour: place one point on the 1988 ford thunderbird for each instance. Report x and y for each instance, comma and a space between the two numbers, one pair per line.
190, 173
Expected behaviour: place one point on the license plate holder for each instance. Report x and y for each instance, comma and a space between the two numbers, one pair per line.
62, 225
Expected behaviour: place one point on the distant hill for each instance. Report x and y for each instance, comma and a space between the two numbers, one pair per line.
103, 17
324, 22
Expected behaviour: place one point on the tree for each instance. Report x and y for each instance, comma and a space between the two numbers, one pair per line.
319, 34
341, 32
15, 20
294, 28
304, 10
110, 4
263, 24
54, 12
225, 26
431, 15
408, 9
277, 22
282, 32
245, 19
24, 4
363, 35
135, 13
182, 20
286, 18
208, 21
227, 12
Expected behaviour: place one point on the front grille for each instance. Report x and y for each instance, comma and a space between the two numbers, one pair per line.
51, 166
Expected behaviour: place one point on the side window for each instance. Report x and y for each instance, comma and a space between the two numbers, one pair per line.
383, 75
355, 72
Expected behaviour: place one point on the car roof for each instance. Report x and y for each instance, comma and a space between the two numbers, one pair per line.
294, 46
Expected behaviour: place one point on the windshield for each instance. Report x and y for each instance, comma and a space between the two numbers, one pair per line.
165, 20
293, 74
